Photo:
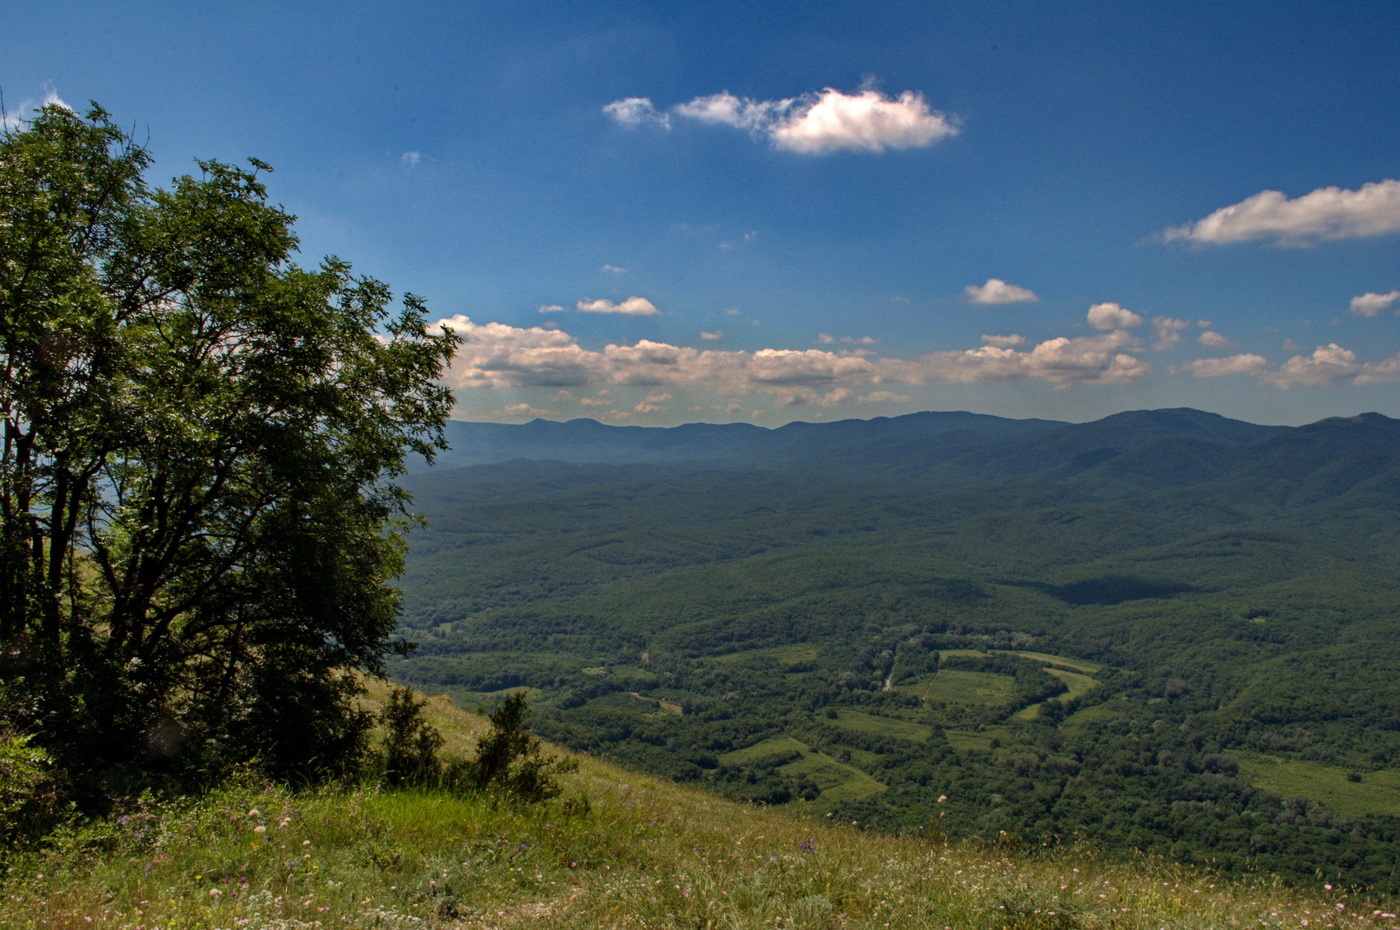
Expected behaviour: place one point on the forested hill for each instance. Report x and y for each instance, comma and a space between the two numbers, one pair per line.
1163, 630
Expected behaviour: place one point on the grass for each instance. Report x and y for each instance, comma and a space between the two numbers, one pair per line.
1375, 793
1078, 684
643, 854
1079, 665
955, 686
860, 722
837, 780
974, 740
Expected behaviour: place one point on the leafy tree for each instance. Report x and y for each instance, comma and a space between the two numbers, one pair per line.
200, 440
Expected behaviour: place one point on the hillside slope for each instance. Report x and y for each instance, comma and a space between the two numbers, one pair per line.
643, 853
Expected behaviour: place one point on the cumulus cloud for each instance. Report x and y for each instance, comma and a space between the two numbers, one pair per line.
632, 306
637, 111
495, 355
825, 339
1003, 341
653, 403
1326, 213
1373, 304
1220, 367
812, 124
1330, 365
1112, 316
717, 334
1168, 331
884, 397
1213, 340
997, 291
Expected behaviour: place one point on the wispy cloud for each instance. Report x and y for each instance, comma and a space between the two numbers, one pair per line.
1222, 367
1373, 304
1326, 213
637, 111
613, 269
1213, 340
411, 159
27, 108
1168, 330
632, 306
997, 291
812, 124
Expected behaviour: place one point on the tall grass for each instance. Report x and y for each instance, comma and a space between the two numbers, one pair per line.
638, 854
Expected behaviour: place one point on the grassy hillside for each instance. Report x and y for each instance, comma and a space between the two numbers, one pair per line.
640, 853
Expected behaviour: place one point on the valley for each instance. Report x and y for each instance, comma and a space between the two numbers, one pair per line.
1164, 631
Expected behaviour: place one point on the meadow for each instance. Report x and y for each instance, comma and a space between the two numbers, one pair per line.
618, 850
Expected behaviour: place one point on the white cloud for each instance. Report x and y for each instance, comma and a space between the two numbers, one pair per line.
997, 291
593, 402
1168, 330
717, 334
1326, 213
1221, 367
859, 340
1327, 365
825, 339
632, 306
867, 122
613, 269
495, 355
1112, 316
1004, 342
411, 159
884, 397
813, 124
1213, 340
653, 403
551, 308
1373, 304
11, 122
636, 111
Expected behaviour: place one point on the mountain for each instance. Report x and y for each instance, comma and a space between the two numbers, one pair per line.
1163, 630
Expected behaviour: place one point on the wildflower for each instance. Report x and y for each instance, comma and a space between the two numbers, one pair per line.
255, 813
260, 829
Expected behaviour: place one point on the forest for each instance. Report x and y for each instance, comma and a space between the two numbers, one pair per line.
1164, 631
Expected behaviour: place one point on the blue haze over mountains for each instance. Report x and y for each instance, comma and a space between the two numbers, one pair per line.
1174, 447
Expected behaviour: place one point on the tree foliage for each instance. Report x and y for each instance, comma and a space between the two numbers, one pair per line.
200, 440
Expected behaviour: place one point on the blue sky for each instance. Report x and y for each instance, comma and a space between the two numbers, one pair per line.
654, 213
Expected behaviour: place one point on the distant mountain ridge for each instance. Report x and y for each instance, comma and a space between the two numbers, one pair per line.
585, 440
1134, 450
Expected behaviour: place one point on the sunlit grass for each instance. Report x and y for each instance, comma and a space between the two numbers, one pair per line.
642, 854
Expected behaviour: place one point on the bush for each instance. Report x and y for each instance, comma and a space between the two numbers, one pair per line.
511, 760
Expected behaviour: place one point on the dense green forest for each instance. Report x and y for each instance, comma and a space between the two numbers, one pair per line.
1164, 631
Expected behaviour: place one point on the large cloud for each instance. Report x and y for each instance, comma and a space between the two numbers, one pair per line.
997, 291
494, 355
1326, 213
813, 124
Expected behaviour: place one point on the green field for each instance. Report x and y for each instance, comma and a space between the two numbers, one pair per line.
974, 741
837, 780
1375, 793
770, 747
861, 722
955, 686
1081, 665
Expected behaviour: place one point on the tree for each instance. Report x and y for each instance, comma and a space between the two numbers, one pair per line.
511, 760
200, 440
